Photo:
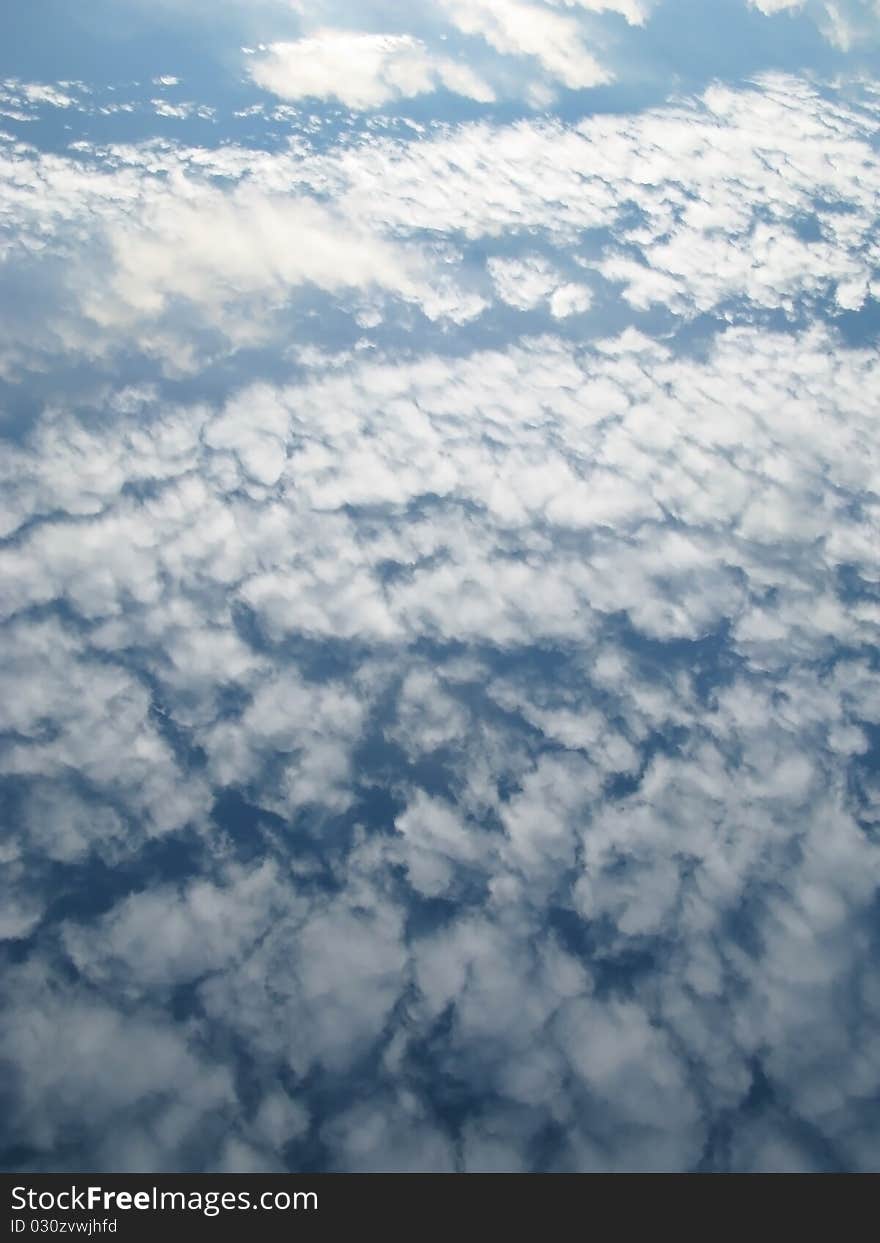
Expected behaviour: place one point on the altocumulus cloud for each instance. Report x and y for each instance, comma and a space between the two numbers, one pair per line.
440, 719
765, 197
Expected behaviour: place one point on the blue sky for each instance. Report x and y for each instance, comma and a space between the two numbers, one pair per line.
439, 515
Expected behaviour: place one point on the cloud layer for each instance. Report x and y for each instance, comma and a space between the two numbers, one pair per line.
674, 914
439, 698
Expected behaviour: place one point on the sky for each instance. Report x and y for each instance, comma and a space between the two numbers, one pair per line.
440, 563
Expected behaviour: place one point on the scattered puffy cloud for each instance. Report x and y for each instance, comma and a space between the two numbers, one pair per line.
523, 283
756, 200
22, 101
527, 500
157, 1100
182, 111
37, 93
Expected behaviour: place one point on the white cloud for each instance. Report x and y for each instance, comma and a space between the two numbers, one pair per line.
101, 729
435, 840
351, 970
40, 93
518, 28
254, 247
390, 1136
635, 12
313, 728
360, 70
845, 23
523, 283
769, 7
570, 299
482, 717
718, 205
151, 941
758, 451
154, 1102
